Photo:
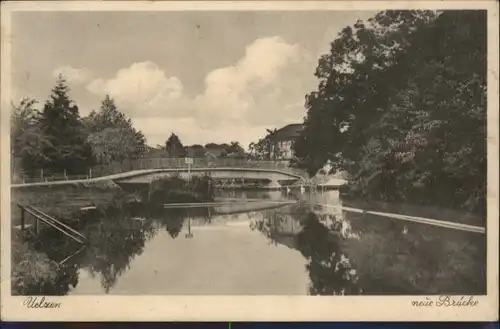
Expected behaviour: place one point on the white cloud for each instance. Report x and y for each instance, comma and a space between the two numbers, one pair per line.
265, 88
259, 87
143, 89
73, 75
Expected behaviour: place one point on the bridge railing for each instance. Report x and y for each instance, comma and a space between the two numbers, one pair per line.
177, 163
20, 177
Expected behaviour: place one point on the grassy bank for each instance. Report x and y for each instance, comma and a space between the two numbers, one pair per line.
59, 200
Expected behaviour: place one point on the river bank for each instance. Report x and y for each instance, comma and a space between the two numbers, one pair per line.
409, 209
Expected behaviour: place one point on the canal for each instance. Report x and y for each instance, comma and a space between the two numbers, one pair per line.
262, 243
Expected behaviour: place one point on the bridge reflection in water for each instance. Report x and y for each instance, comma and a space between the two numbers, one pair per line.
272, 244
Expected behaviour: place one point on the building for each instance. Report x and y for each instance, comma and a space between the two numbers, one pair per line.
283, 139
215, 152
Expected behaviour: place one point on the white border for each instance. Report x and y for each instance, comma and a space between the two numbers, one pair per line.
243, 308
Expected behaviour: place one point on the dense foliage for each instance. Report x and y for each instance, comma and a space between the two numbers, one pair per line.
401, 106
27, 138
112, 135
58, 140
266, 148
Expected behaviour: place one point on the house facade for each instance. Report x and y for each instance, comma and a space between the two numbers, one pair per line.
283, 139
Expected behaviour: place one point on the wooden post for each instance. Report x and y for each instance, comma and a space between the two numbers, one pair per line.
65, 176
37, 230
41, 175
90, 173
22, 217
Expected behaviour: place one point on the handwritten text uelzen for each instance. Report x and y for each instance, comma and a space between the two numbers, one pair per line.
39, 302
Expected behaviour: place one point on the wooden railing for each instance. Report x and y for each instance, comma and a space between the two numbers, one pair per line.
40, 216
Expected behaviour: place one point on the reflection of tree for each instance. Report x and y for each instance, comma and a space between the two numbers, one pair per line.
330, 271
35, 269
174, 225
114, 240
269, 224
278, 226
34, 273
172, 219
338, 223
116, 233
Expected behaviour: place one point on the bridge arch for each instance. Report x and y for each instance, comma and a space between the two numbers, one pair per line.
271, 178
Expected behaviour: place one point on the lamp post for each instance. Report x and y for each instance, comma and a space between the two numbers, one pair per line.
189, 162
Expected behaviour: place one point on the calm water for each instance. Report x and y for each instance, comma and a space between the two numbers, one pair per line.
260, 245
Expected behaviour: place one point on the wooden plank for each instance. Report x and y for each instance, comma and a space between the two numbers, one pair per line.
88, 208
57, 222
54, 226
71, 256
223, 203
422, 220
23, 213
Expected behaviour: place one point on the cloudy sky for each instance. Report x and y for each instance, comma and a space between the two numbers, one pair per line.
206, 76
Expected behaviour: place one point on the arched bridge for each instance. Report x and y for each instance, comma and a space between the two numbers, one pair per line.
267, 178
268, 174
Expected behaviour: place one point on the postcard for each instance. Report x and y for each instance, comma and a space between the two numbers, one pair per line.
243, 161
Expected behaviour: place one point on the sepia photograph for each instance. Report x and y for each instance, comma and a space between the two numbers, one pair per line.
268, 152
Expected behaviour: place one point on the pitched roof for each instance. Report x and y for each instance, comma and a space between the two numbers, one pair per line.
291, 131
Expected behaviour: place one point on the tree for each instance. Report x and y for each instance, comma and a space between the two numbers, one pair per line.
350, 70
174, 146
112, 135
401, 106
266, 148
212, 146
66, 147
260, 149
235, 149
196, 151
27, 138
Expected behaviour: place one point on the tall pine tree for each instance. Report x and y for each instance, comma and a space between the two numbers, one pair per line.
174, 146
61, 125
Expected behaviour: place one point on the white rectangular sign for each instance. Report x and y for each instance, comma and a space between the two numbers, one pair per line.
189, 160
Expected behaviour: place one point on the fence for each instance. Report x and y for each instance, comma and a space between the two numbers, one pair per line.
22, 177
